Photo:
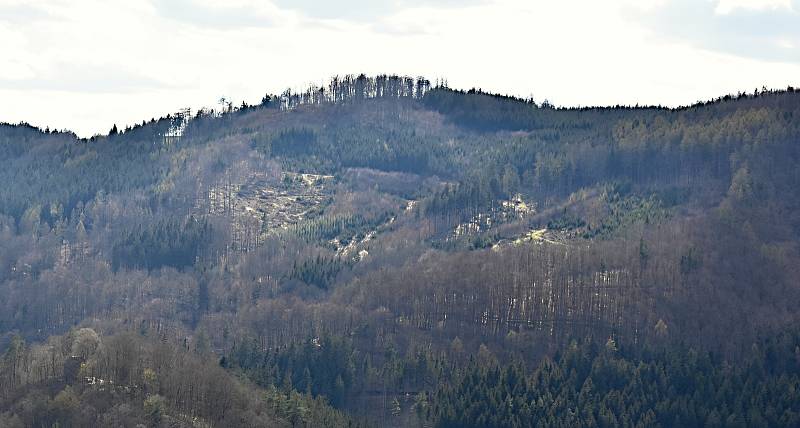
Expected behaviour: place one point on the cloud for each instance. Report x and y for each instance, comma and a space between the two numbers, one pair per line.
80, 78
345, 9
227, 15
21, 13
403, 29
364, 10
86, 64
765, 30
725, 6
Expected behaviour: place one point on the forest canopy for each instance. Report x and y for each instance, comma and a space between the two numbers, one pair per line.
389, 251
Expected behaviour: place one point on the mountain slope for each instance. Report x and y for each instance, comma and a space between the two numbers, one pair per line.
367, 241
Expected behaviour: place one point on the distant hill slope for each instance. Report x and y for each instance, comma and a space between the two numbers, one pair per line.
332, 241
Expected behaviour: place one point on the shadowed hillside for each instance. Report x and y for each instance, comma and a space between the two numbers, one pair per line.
387, 251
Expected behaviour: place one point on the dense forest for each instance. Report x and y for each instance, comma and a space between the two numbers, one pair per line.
388, 251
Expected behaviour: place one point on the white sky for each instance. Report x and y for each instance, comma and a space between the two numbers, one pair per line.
84, 65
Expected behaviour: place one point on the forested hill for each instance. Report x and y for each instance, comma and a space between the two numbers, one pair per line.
386, 251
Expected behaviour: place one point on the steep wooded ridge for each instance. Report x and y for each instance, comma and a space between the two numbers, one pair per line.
390, 252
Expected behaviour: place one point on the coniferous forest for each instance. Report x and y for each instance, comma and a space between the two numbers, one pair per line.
389, 251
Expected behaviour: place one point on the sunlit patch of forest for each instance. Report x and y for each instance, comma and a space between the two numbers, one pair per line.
388, 251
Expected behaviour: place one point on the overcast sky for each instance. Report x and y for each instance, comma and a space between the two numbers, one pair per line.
84, 65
